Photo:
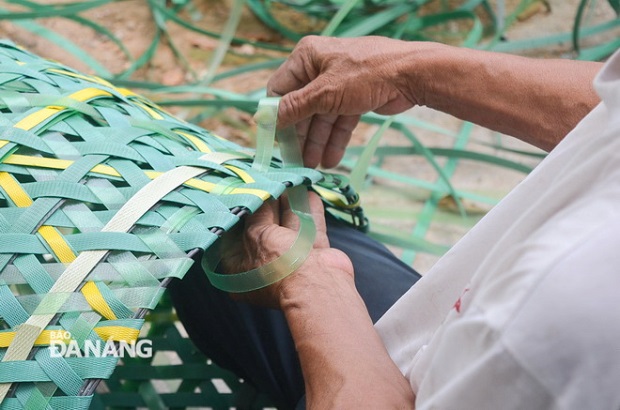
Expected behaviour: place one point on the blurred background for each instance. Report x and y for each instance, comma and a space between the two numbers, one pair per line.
425, 178
431, 176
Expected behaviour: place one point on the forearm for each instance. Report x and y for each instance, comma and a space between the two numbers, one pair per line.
344, 362
538, 101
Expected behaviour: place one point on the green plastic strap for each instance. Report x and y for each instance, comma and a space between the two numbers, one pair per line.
266, 119
32, 397
25, 138
14, 99
75, 273
138, 297
279, 268
289, 149
116, 305
295, 256
61, 402
59, 372
31, 371
105, 271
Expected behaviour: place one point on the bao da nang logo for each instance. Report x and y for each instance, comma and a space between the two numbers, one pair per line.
62, 345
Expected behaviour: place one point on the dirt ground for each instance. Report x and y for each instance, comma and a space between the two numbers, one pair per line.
132, 23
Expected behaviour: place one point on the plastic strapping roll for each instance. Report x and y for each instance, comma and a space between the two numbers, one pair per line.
295, 256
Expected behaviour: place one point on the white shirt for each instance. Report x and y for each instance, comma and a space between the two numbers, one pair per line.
524, 311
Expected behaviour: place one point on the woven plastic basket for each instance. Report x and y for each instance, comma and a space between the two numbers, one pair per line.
104, 198
176, 376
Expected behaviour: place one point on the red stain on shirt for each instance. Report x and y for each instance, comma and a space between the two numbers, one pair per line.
457, 304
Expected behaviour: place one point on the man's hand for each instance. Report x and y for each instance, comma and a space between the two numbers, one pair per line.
269, 233
344, 362
327, 83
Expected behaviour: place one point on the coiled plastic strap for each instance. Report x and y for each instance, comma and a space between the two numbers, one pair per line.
295, 256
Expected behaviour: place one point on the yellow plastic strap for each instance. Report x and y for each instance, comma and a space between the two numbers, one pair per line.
122, 221
198, 143
206, 186
52, 237
245, 177
57, 243
72, 277
6, 338
90, 78
95, 299
115, 333
295, 256
154, 114
38, 117
28, 333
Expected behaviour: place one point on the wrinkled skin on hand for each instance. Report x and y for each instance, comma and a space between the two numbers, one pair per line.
327, 83
266, 235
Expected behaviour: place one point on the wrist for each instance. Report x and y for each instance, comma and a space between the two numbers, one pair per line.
419, 69
324, 276
332, 330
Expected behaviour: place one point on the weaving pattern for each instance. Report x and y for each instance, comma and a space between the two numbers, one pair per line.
177, 376
104, 198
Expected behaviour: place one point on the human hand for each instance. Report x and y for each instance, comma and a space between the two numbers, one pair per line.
327, 83
265, 236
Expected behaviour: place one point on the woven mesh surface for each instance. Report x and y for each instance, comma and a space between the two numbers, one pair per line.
102, 198
176, 376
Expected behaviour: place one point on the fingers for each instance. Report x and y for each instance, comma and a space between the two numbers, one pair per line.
291, 221
288, 77
327, 139
317, 138
318, 214
314, 98
323, 137
297, 71
267, 214
279, 213
302, 128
